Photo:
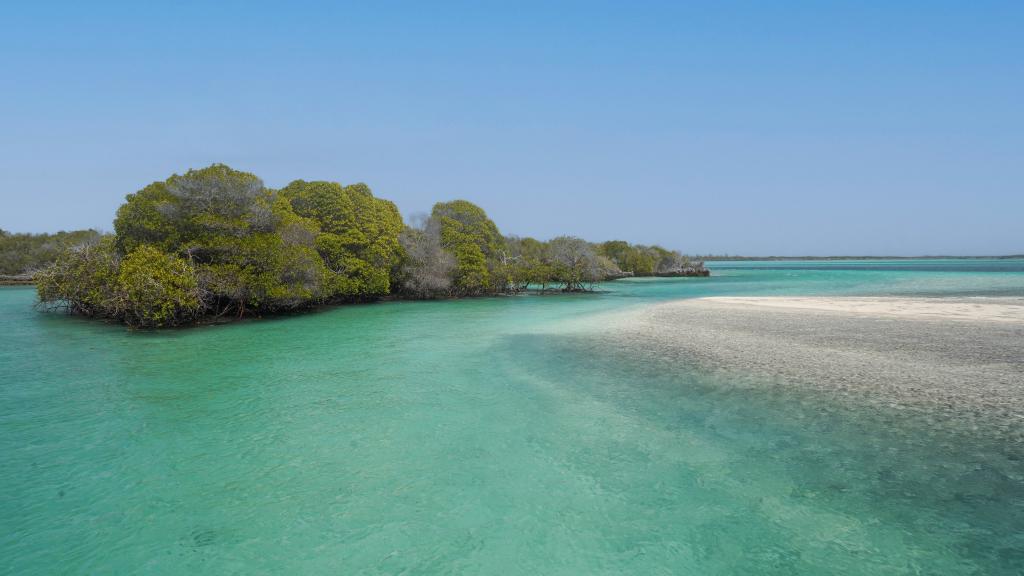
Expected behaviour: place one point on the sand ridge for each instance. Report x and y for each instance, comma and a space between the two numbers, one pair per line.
955, 361
971, 309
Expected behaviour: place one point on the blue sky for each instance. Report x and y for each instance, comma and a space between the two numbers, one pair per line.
727, 127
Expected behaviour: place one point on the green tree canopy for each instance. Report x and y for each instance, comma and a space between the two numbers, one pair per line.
358, 234
248, 246
575, 263
157, 289
473, 239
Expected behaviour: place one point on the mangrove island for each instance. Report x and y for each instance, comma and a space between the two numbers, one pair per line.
218, 243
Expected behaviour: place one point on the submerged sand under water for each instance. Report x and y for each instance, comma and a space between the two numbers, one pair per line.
953, 361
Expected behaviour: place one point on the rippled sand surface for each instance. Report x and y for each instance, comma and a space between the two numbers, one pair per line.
972, 309
955, 360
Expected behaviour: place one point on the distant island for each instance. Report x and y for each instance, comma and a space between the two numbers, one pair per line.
217, 243
23, 255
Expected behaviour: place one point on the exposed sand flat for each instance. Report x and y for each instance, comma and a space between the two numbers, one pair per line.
957, 362
975, 309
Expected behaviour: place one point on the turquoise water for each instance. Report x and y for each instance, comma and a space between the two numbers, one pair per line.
474, 437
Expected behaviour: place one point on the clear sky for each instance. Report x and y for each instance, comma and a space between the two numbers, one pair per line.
728, 127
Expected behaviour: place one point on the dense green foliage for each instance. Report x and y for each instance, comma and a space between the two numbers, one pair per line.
23, 254
220, 241
637, 260
84, 279
249, 248
145, 288
473, 239
216, 241
158, 289
357, 238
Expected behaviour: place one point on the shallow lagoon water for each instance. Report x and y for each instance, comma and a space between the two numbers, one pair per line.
477, 437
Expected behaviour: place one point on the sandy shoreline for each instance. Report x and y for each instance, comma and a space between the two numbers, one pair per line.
960, 361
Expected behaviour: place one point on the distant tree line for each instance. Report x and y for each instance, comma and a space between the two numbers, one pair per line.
21, 255
218, 242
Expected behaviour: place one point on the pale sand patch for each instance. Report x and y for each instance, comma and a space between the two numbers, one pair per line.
975, 309
957, 362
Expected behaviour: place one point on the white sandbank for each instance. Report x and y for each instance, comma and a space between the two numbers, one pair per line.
948, 360
973, 309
